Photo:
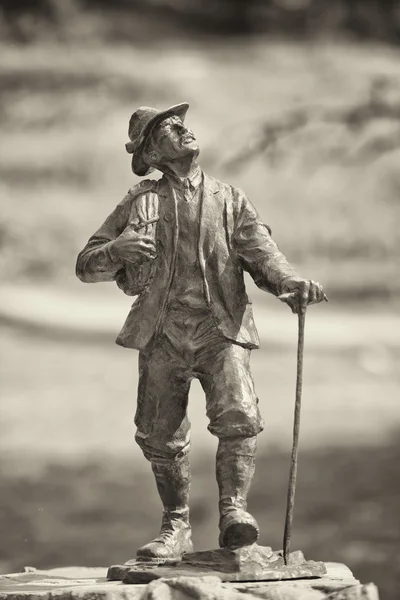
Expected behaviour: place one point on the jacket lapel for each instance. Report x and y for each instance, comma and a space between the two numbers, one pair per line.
166, 238
211, 216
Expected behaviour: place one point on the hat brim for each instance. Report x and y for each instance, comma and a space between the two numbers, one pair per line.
139, 166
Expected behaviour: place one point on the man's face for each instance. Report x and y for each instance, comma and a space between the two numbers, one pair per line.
171, 139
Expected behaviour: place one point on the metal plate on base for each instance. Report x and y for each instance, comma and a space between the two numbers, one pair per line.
250, 563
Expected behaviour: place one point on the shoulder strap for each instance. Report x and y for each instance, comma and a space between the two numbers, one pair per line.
147, 185
144, 209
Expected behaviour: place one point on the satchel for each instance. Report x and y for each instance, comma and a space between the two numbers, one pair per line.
133, 279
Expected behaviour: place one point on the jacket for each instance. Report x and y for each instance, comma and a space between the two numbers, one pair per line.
232, 239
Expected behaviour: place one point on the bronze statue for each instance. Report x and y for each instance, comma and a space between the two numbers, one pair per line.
182, 244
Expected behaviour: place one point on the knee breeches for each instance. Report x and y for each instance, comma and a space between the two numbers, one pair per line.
165, 373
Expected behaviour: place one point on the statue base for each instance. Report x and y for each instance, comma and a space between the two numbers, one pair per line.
250, 563
82, 583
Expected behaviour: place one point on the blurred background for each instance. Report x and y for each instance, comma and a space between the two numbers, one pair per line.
297, 102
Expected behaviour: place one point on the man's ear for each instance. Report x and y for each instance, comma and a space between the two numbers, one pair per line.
154, 156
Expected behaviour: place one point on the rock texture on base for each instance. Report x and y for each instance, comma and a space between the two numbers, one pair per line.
80, 583
250, 563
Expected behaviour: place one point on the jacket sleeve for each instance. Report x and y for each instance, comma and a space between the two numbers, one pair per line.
96, 262
258, 253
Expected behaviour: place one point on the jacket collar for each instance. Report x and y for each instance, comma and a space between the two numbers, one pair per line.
184, 183
210, 184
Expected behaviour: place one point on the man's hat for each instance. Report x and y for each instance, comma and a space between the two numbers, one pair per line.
140, 126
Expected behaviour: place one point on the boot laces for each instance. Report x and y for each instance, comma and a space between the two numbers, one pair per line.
171, 526
166, 535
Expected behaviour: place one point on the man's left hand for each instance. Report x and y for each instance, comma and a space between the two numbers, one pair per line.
306, 292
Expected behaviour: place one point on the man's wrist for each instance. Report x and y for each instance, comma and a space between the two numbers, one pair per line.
112, 253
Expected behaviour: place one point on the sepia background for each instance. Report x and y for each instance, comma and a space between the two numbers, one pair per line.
298, 103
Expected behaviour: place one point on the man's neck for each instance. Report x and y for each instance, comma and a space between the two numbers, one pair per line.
184, 168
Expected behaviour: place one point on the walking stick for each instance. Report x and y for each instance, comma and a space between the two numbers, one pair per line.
289, 298
296, 431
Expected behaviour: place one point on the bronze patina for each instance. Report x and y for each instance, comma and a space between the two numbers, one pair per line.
181, 244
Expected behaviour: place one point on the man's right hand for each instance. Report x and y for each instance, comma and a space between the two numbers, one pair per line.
133, 247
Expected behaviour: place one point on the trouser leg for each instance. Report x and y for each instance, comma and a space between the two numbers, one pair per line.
231, 400
163, 434
163, 428
232, 407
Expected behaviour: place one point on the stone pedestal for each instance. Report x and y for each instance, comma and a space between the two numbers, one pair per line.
80, 583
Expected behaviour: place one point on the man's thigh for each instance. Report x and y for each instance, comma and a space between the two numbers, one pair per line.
161, 419
232, 403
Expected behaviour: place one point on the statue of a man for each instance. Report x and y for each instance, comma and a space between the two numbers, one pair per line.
182, 244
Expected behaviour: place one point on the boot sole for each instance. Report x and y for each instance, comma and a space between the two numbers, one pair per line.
150, 557
239, 534
148, 560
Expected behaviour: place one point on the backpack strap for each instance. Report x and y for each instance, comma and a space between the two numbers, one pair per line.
144, 209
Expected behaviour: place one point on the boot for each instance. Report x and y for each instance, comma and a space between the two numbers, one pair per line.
235, 470
175, 538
